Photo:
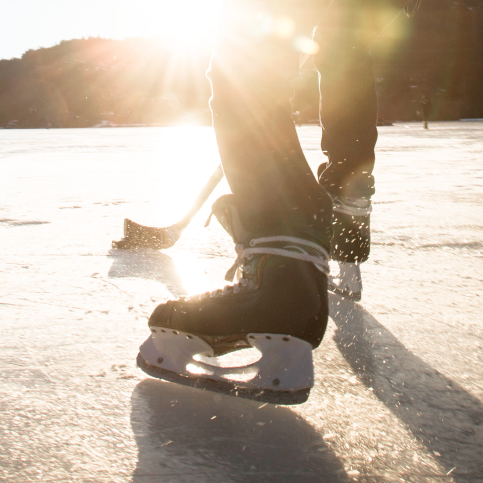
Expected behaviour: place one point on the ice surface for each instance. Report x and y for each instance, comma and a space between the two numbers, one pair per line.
399, 379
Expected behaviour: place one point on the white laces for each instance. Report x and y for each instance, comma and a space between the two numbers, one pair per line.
290, 247
235, 288
352, 206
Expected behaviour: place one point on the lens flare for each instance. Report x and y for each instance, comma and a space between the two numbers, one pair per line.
305, 45
284, 27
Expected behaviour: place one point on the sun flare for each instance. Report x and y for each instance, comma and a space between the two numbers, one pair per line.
188, 21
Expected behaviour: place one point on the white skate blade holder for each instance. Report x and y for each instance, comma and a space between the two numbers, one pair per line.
348, 282
285, 363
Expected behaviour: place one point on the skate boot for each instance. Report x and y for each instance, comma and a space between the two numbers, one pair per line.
278, 306
351, 243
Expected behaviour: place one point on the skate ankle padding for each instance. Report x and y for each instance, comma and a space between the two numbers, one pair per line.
226, 212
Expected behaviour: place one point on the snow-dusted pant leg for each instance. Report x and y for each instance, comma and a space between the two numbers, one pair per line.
251, 74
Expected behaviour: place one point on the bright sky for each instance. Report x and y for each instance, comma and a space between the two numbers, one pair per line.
31, 24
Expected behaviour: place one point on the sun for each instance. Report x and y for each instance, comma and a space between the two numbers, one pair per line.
184, 21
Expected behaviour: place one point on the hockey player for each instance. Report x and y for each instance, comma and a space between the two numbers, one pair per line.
283, 221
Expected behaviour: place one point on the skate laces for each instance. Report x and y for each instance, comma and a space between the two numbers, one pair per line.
352, 206
235, 288
290, 247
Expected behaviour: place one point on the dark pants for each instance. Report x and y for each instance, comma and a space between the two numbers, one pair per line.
256, 57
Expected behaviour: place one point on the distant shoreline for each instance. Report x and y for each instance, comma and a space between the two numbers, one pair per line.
309, 123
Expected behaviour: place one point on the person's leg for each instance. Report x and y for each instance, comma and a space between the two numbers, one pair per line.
278, 215
348, 114
348, 111
251, 75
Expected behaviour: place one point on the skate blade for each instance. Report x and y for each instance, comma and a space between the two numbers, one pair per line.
355, 297
285, 365
335, 288
226, 388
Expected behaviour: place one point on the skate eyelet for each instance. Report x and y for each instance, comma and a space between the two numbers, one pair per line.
286, 339
276, 382
160, 359
175, 332
163, 331
267, 337
251, 337
247, 269
189, 336
252, 243
153, 331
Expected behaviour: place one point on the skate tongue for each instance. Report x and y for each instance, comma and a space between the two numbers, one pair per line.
230, 275
226, 212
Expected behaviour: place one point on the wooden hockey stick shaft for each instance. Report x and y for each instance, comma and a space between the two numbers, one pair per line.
136, 235
200, 200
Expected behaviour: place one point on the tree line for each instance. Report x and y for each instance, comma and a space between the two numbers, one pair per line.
82, 82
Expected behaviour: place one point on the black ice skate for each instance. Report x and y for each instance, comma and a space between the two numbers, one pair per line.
351, 243
278, 306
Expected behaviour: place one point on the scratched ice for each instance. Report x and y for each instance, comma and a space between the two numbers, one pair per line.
399, 377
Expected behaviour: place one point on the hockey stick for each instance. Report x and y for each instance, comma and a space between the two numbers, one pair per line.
136, 235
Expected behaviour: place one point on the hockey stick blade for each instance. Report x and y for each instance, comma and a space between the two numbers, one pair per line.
136, 235
272, 397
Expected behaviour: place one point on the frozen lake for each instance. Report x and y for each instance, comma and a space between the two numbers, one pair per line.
399, 377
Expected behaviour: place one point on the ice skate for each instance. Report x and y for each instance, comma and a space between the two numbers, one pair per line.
351, 240
351, 244
278, 306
